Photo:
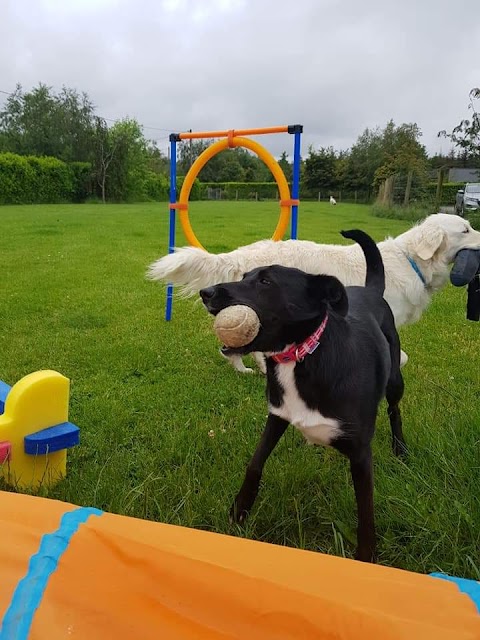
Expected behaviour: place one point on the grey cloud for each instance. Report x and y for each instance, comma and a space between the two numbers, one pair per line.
334, 66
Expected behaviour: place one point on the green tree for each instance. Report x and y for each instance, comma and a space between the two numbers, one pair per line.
104, 153
466, 135
74, 120
402, 151
320, 171
254, 170
286, 166
363, 160
341, 167
188, 151
157, 161
45, 124
28, 122
403, 155
121, 162
381, 153
231, 165
231, 171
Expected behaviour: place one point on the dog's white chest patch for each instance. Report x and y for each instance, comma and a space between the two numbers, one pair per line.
316, 428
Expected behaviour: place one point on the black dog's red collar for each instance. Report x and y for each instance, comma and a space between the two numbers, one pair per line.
297, 353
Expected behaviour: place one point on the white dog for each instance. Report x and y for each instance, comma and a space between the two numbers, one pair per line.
332, 200
416, 265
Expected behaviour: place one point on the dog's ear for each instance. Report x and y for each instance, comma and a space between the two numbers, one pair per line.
331, 291
429, 242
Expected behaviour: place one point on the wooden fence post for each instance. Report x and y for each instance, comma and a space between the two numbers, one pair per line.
438, 194
408, 188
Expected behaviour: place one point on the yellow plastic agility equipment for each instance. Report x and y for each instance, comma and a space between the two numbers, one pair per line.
34, 430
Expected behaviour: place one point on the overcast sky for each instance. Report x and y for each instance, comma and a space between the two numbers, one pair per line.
335, 66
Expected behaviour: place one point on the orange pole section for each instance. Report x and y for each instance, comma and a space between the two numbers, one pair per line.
237, 132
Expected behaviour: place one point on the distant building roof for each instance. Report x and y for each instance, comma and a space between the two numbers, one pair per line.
458, 174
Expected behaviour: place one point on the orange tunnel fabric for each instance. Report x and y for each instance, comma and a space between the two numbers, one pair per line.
122, 577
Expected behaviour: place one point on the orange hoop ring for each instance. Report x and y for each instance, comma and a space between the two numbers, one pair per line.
283, 188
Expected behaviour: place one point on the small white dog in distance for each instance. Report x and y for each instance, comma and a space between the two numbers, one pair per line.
416, 265
332, 200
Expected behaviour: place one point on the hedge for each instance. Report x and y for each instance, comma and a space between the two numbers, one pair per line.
156, 187
240, 190
449, 191
31, 180
43, 180
16, 179
269, 191
196, 191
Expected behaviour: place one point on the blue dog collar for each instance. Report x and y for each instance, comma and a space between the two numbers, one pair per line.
416, 268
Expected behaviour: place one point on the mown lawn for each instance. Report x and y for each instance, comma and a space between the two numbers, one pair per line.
167, 425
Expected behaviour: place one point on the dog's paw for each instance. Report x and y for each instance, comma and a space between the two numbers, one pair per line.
243, 504
236, 361
237, 515
399, 448
403, 359
365, 555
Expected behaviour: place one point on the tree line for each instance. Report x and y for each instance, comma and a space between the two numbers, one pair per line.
116, 162
119, 163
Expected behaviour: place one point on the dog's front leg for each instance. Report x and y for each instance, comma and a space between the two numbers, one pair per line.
394, 395
274, 430
235, 360
362, 475
260, 360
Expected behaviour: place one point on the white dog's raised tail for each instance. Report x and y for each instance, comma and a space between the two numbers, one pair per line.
192, 268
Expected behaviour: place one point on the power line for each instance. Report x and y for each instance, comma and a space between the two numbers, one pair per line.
143, 125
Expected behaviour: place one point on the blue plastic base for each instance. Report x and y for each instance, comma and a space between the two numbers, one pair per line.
61, 436
4, 391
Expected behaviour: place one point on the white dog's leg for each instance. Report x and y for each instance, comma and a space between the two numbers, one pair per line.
236, 361
260, 360
403, 359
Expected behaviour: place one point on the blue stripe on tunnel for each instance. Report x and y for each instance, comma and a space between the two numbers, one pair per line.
470, 587
29, 591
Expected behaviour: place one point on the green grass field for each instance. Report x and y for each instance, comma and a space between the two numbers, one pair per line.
167, 426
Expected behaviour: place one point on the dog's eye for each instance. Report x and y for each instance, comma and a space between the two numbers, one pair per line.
466, 230
264, 281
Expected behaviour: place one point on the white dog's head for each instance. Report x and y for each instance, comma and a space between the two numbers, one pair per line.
440, 237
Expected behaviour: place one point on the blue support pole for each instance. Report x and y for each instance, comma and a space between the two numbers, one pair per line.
297, 131
173, 199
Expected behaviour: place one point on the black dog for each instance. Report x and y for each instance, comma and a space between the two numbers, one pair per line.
330, 393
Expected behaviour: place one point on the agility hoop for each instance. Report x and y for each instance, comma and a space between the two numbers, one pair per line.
231, 139
283, 188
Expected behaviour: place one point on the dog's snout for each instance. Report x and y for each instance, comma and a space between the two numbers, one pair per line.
207, 294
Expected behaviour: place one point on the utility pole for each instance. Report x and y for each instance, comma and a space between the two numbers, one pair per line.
190, 150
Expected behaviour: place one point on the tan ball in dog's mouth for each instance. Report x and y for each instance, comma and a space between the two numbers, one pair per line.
237, 325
